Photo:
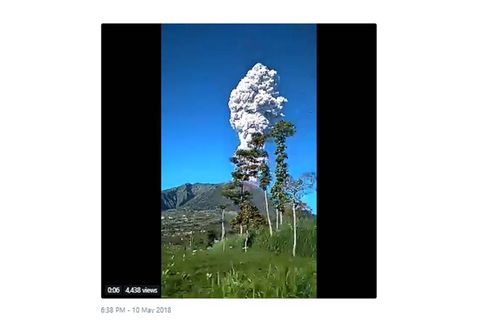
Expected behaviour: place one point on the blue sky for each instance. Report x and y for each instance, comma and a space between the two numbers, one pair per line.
201, 64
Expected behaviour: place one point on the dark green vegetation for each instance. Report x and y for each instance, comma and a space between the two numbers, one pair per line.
280, 132
266, 270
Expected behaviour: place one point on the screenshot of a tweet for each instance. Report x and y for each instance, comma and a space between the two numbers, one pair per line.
238, 161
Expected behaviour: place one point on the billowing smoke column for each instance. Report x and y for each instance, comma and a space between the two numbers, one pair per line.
255, 104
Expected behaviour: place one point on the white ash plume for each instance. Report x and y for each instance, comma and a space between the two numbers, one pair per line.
255, 104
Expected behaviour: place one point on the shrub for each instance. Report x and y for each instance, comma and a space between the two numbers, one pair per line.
282, 240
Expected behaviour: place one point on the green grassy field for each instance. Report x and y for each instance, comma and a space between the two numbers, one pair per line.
266, 270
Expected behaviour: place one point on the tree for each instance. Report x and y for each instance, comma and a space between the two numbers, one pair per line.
264, 176
280, 132
295, 190
234, 191
247, 163
222, 207
250, 218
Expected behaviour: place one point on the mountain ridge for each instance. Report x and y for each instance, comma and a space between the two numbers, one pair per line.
193, 208
208, 196
204, 196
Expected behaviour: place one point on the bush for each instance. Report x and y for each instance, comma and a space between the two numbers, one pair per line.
282, 240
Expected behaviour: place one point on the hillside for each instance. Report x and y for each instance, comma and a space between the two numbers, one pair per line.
192, 209
204, 196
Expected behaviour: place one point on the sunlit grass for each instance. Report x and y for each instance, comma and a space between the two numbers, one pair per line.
267, 270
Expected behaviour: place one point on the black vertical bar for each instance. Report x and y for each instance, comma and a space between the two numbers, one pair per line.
131, 120
347, 161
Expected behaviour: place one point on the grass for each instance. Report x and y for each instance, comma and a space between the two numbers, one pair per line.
266, 270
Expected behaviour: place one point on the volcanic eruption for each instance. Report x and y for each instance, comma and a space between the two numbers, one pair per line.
255, 104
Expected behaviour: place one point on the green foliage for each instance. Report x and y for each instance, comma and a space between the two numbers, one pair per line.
258, 140
233, 192
246, 164
267, 270
282, 241
279, 197
260, 156
257, 145
233, 241
245, 168
259, 273
283, 129
264, 176
249, 216
279, 133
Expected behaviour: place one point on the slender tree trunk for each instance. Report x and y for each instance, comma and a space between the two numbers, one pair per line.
277, 219
267, 210
246, 240
241, 229
280, 217
294, 229
223, 228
